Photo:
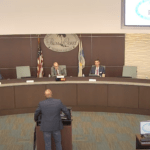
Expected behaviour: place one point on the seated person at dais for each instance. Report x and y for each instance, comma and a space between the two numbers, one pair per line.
98, 69
57, 70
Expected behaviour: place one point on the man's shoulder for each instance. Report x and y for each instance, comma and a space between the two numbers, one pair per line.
52, 68
60, 68
101, 67
58, 101
93, 67
41, 102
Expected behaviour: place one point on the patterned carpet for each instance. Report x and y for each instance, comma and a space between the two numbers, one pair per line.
91, 131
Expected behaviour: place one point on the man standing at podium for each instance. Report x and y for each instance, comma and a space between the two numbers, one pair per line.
51, 123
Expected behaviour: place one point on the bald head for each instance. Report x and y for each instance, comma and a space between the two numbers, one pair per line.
48, 93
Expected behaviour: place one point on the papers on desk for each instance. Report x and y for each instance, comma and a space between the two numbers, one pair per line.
29, 81
92, 80
145, 143
63, 116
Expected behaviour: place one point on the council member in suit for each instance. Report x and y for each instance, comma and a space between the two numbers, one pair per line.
97, 69
51, 123
57, 70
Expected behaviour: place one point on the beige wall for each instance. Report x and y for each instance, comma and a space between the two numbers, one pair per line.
62, 16
137, 53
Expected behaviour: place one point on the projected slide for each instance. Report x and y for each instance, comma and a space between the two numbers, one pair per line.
145, 127
137, 12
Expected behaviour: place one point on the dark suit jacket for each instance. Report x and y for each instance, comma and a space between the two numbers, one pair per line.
62, 71
1, 77
51, 119
101, 70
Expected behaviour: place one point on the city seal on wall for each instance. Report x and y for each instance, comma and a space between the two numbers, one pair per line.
61, 42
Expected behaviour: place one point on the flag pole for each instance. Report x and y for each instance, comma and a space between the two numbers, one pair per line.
79, 57
40, 72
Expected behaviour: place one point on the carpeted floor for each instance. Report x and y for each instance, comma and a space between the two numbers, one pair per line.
90, 131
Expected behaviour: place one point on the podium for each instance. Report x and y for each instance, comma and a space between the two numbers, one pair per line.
66, 136
141, 145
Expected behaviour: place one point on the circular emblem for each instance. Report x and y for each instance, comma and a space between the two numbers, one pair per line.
143, 9
61, 42
146, 127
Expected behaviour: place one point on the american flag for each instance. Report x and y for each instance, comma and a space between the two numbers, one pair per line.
40, 72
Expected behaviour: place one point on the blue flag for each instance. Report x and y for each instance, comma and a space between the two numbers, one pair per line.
81, 59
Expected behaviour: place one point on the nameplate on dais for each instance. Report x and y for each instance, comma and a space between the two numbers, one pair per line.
60, 77
29, 81
92, 80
